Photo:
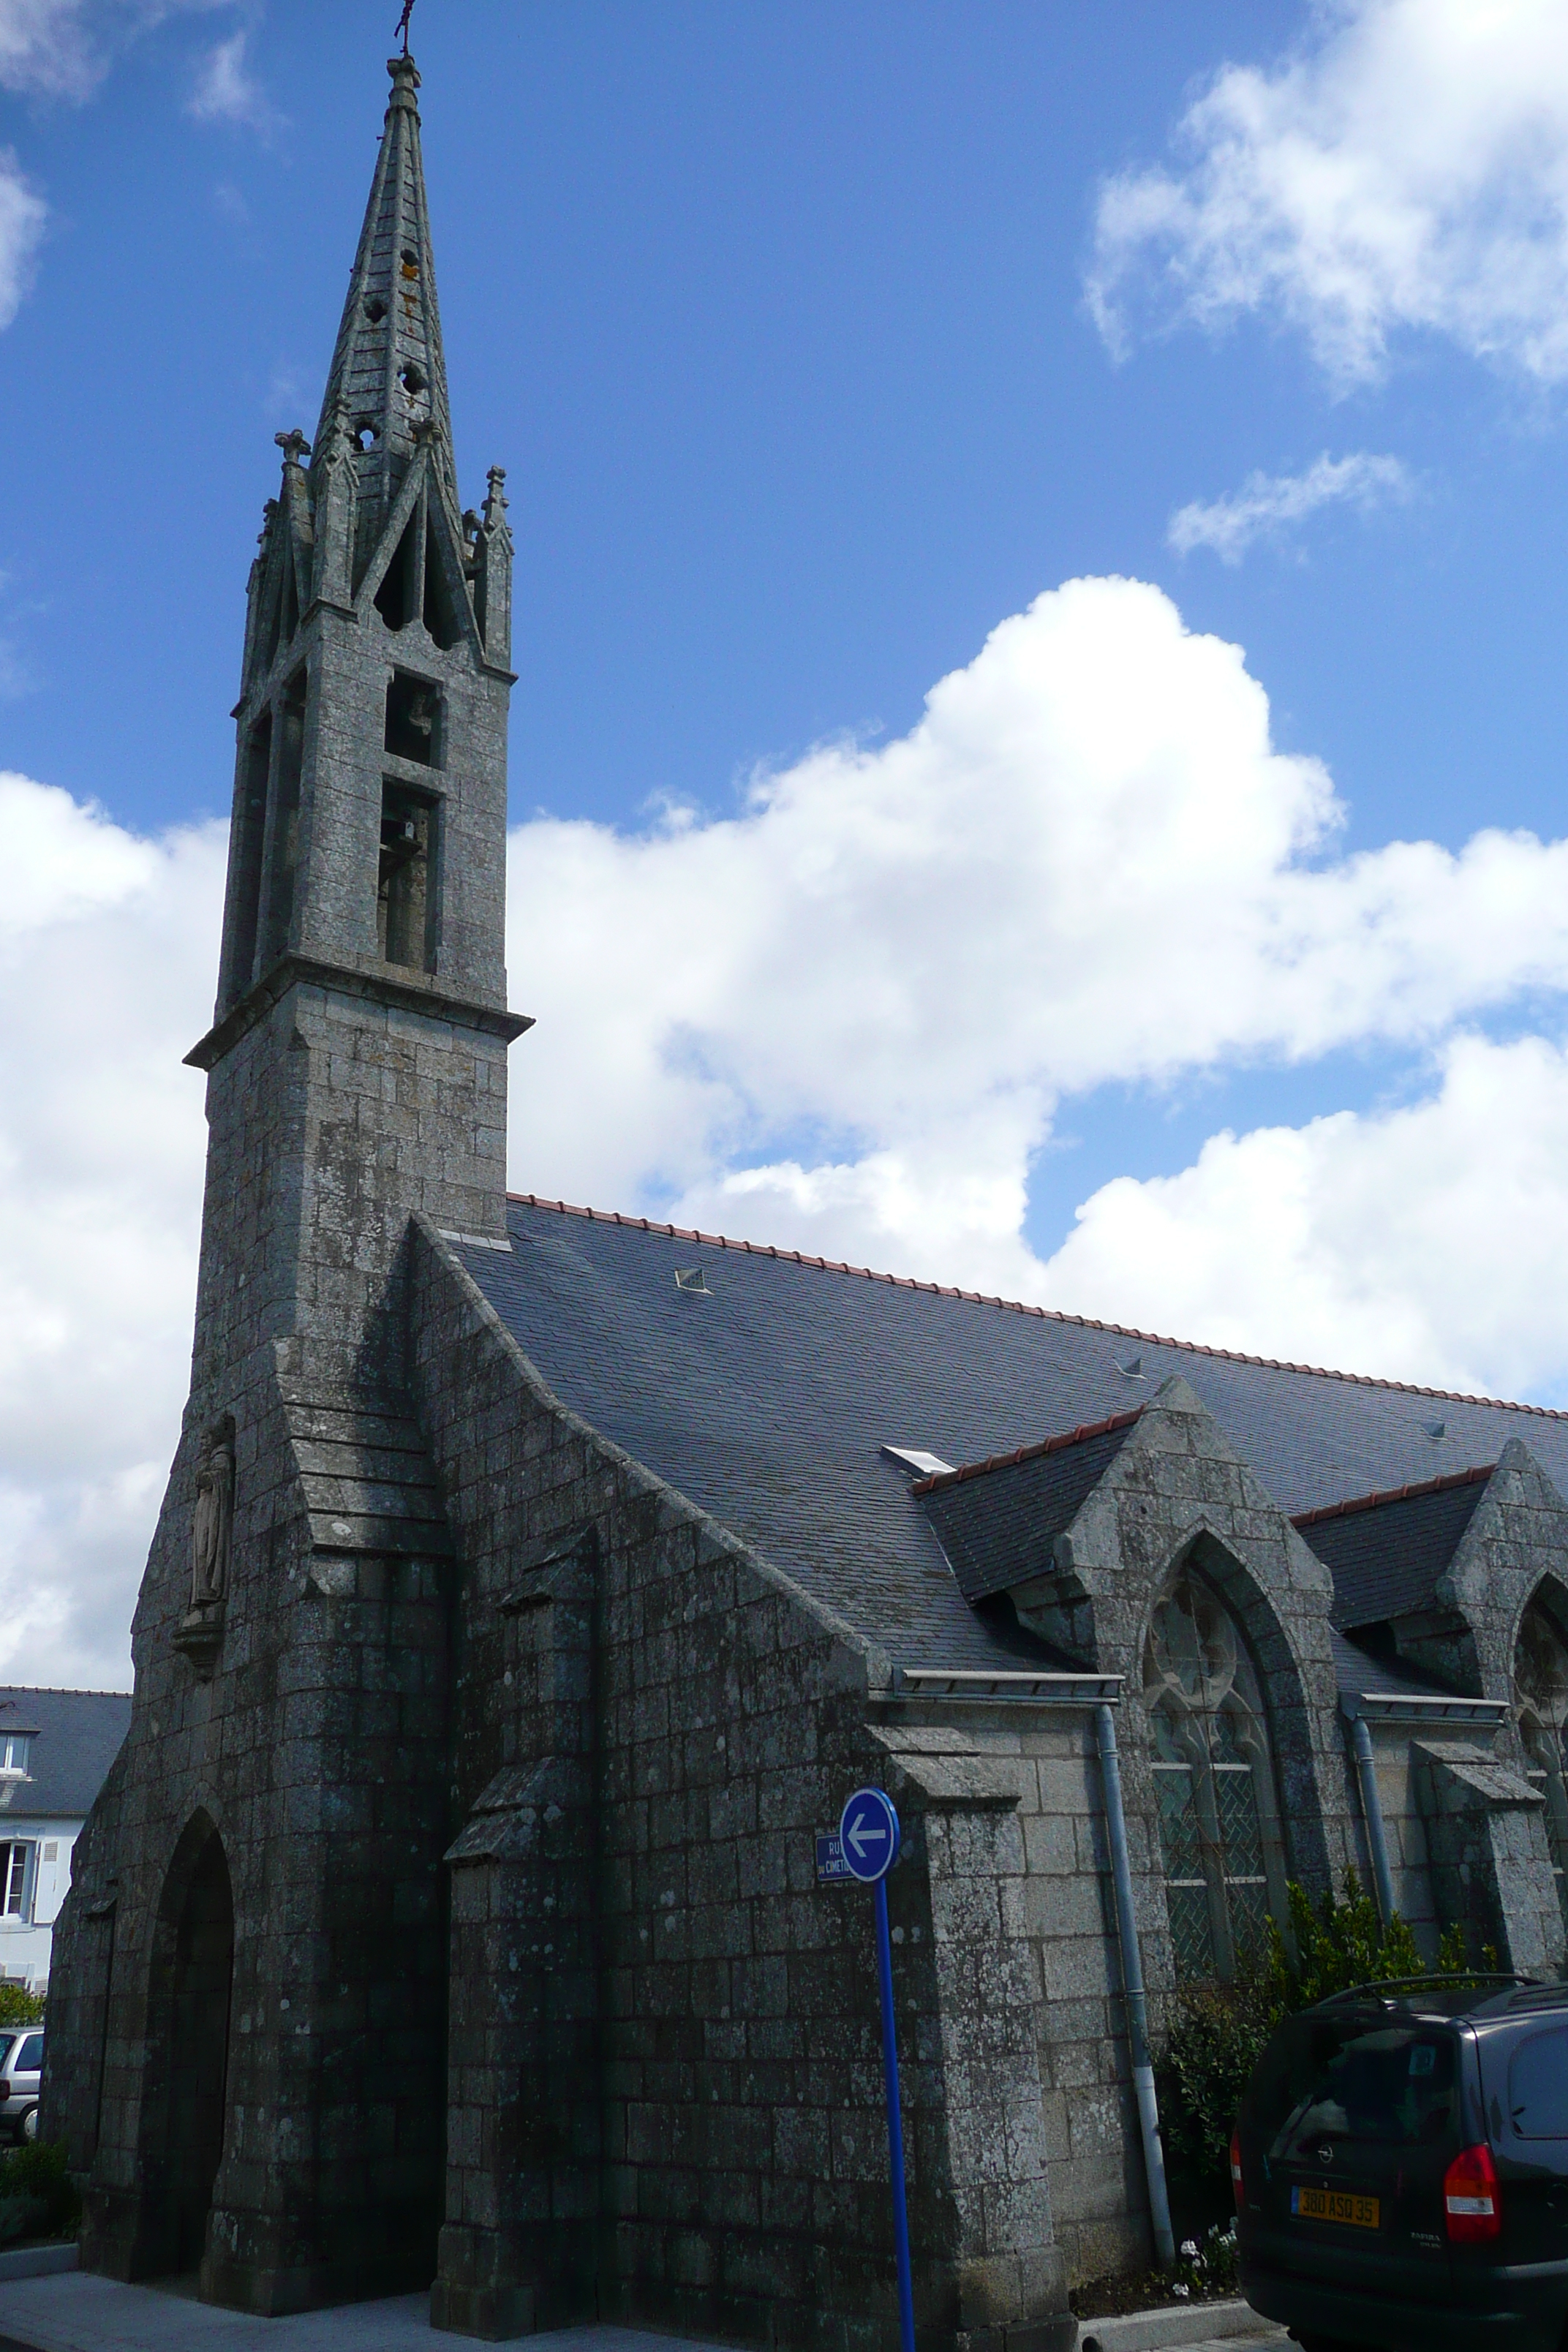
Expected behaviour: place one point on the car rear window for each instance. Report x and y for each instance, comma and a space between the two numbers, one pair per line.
1538, 2086
29, 2056
1346, 2079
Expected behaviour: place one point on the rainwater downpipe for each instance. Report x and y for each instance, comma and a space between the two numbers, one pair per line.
1371, 1814
1132, 1986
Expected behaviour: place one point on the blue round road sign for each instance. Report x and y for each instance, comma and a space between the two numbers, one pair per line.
868, 1834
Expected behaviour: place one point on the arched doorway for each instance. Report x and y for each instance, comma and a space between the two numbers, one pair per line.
199, 2050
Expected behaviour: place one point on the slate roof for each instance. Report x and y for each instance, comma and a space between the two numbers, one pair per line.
77, 1737
1386, 1553
767, 1401
997, 1520
1357, 1674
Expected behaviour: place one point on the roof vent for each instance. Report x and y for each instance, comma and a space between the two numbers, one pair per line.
916, 1460
692, 1278
1436, 1429
1132, 1370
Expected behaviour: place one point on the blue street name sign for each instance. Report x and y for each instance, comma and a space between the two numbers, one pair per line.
832, 1870
869, 1836
868, 1844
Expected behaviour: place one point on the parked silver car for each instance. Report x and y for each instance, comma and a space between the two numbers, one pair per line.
21, 2065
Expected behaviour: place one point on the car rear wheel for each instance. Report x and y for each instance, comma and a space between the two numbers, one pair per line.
27, 2130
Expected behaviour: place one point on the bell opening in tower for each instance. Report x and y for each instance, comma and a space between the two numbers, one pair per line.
283, 821
248, 858
406, 900
413, 719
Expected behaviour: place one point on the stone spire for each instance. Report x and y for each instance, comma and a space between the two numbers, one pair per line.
387, 385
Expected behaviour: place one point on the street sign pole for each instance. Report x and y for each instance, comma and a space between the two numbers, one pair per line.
895, 2121
868, 1838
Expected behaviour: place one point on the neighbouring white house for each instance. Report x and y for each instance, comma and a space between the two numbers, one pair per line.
56, 1749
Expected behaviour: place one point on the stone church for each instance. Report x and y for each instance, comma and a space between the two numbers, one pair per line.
534, 1584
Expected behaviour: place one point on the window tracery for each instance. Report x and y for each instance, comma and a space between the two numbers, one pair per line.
1540, 1703
1214, 1781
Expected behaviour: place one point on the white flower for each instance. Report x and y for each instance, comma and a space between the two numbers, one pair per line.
1183, 2291
1189, 2249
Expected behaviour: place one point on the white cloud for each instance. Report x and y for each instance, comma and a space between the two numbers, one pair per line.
1267, 503
63, 48
49, 48
226, 91
22, 216
57, 48
842, 1018
1406, 168
1425, 1242
107, 955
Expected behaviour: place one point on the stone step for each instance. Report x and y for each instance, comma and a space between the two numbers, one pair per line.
1180, 2328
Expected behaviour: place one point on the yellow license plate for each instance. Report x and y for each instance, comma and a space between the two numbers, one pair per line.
1334, 2205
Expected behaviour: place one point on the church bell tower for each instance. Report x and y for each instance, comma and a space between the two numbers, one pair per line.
247, 2046
363, 928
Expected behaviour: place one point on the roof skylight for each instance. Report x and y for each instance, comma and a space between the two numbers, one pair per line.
916, 1460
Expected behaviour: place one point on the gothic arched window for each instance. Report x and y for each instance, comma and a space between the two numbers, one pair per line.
1541, 1699
1214, 1781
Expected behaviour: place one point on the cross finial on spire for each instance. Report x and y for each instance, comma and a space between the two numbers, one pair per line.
294, 446
402, 32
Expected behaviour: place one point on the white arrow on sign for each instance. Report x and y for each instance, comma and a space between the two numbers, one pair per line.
859, 1830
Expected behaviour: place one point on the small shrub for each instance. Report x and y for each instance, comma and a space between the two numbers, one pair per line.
18, 2006
36, 2175
1217, 2037
1209, 2267
1339, 1944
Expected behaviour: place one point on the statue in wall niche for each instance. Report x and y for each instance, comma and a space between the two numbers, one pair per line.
212, 1520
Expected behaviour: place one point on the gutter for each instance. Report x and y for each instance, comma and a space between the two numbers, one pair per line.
1133, 1987
990, 1683
1371, 1814
1416, 1706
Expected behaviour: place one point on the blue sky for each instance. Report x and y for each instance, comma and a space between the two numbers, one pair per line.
776, 316
822, 345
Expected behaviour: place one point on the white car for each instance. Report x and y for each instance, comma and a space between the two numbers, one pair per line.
21, 2065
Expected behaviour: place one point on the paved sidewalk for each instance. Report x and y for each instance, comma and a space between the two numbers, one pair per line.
80, 2312
76, 2312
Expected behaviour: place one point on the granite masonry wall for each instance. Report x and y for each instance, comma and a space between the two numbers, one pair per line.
726, 2173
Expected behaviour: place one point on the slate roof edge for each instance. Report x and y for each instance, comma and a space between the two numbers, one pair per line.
57, 1690
1476, 1476
1043, 1314
873, 1652
938, 1479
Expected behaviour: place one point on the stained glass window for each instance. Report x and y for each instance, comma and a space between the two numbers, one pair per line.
1541, 1699
1214, 1781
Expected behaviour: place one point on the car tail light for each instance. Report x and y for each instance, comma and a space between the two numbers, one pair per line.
1235, 2166
5, 2090
1472, 2198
